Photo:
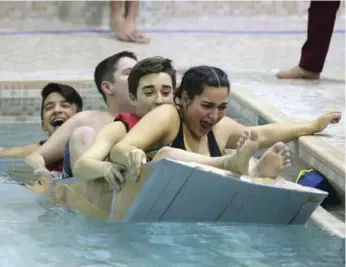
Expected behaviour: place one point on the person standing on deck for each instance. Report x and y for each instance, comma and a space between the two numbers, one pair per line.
124, 24
321, 21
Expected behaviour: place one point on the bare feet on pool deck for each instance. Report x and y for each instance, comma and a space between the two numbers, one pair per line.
127, 32
273, 161
247, 145
297, 73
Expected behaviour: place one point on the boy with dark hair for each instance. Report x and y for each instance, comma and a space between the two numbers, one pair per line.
151, 83
59, 103
77, 134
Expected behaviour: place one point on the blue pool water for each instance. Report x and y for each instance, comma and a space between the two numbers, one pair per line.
36, 233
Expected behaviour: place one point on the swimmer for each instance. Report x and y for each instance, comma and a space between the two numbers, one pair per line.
70, 140
197, 130
59, 103
151, 83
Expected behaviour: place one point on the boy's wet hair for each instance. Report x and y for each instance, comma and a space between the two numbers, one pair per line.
104, 71
68, 92
147, 66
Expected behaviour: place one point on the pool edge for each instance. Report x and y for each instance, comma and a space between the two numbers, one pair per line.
317, 154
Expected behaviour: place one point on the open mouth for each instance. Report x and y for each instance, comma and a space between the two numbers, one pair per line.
57, 122
205, 125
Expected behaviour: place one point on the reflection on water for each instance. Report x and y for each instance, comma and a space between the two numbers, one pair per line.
44, 235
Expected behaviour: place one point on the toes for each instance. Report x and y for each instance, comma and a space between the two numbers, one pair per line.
287, 163
285, 152
245, 135
239, 144
286, 156
241, 140
278, 147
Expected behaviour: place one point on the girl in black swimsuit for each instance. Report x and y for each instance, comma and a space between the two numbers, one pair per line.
195, 129
193, 83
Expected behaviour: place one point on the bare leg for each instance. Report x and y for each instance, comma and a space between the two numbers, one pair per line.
124, 26
274, 160
246, 146
131, 13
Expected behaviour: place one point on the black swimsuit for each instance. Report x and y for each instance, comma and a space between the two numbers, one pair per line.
178, 142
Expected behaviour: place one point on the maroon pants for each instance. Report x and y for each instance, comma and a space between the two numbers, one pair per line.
321, 21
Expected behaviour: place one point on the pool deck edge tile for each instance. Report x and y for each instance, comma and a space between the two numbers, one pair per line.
320, 156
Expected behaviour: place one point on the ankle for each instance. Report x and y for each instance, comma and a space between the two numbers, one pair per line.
116, 17
130, 20
309, 72
226, 161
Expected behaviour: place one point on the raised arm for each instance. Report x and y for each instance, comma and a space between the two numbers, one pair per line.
53, 149
19, 151
91, 164
154, 130
269, 134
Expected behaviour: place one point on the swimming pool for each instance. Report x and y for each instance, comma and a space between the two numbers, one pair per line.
36, 233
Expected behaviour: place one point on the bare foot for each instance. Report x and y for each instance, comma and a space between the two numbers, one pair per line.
247, 145
127, 32
297, 73
274, 160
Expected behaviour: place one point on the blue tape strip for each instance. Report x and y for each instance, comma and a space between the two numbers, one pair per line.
163, 31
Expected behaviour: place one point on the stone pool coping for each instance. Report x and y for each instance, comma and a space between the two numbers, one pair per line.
328, 222
323, 157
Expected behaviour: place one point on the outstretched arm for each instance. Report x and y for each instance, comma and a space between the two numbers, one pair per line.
19, 151
91, 164
270, 134
53, 149
156, 128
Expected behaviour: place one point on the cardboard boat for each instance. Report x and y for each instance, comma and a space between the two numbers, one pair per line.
175, 191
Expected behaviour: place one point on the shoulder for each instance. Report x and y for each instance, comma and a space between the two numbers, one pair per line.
86, 114
165, 110
84, 117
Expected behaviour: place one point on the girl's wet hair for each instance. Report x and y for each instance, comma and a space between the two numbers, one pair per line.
197, 78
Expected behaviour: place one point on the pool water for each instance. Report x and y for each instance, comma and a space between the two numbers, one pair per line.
33, 232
